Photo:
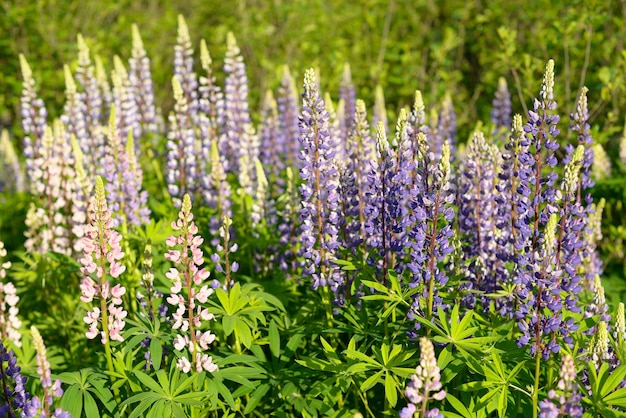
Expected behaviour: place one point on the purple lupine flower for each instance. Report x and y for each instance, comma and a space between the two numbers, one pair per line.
348, 95
288, 226
319, 211
103, 85
11, 173
51, 389
75, 111
334, 127
17, 399
182, 167
127, 202
501, 110
128, 119
416, 124
444, 128
361, 152
581, 127
189, 292
238, 136
507, 217
564, 401
140, 80
425, 384
91, 97
216, 192
102, 255
222, 256
431, 230
288, 111
477, 218
34, 116
183, 68
210, 106
9, 321
273, 146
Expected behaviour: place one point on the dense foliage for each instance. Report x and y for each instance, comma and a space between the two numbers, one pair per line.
316, 257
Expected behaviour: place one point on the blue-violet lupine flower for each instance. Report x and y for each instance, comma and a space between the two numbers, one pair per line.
501, 109
17, 399
319, 211
140, 79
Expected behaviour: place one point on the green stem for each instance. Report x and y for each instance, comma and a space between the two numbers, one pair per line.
536, 387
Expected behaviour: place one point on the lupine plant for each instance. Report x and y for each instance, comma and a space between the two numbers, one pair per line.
334, 263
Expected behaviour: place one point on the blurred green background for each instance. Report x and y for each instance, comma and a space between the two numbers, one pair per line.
453, 46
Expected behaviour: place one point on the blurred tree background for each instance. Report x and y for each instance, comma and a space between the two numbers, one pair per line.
455, 47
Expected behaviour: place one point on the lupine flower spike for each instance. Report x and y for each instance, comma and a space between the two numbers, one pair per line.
51, 389
189, 292
102, 255
564, 401
425, 385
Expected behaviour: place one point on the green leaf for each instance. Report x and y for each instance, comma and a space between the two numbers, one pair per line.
149, 382
391, 392
256, 397
371, 381
274, 338
156, 353
72, 400
459, 406
243, 332
91, 408
376, 286
228, 322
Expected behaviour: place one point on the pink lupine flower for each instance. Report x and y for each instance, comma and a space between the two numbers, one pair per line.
188, 292
102, 255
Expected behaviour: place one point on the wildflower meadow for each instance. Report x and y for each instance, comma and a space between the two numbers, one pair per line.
200, 248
